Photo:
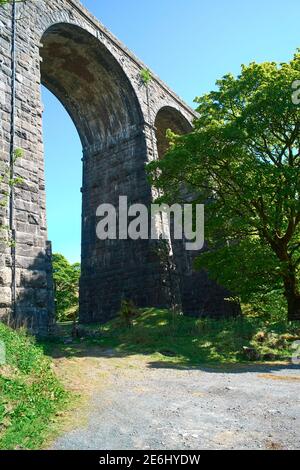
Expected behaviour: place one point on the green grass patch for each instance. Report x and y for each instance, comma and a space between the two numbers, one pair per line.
190, 341
30, 393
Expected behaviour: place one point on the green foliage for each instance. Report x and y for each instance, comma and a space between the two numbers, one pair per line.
66, 280
185, 341
128, 312
30, 394
248, 267
243, 160
146, 76
270, 306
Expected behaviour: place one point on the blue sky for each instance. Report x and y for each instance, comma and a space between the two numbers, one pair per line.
189, 44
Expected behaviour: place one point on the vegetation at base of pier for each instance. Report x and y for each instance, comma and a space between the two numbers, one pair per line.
184, 341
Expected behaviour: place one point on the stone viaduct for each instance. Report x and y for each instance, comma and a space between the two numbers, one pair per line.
122, 125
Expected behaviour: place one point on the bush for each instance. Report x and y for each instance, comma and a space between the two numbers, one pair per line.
193, 341
128, 312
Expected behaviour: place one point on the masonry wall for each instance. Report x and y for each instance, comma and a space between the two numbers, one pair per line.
110, 272
117, 269
115, 114
5, 99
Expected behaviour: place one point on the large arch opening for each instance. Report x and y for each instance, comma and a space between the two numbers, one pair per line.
169, 118
97, 94
88, 80
63, 175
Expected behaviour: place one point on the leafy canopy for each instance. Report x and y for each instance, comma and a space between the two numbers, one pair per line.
243, 160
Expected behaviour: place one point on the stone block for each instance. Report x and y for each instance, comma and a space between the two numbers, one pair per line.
5, 277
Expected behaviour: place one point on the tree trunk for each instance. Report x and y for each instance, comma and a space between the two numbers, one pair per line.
290, 281
293, 307
292, 296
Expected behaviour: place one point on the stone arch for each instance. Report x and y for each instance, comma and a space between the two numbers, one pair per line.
95, 90
169, 118
82, 73
98, 81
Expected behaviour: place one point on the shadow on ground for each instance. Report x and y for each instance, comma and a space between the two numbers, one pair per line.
176, 341
157, 359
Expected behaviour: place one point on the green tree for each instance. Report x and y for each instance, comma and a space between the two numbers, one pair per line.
243, 160
66, 281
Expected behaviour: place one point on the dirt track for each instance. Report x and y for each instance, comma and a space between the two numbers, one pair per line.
134, 402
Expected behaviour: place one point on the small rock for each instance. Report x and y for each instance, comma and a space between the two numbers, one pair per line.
274, 412
251, 354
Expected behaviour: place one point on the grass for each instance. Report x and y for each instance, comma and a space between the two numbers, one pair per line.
30, 393
188, 341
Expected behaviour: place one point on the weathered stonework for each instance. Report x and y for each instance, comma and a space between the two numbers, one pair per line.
121, 123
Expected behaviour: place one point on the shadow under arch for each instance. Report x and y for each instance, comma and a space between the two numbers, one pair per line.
90, 83
169, 118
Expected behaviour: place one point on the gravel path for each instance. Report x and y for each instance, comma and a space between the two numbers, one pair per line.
147, 405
